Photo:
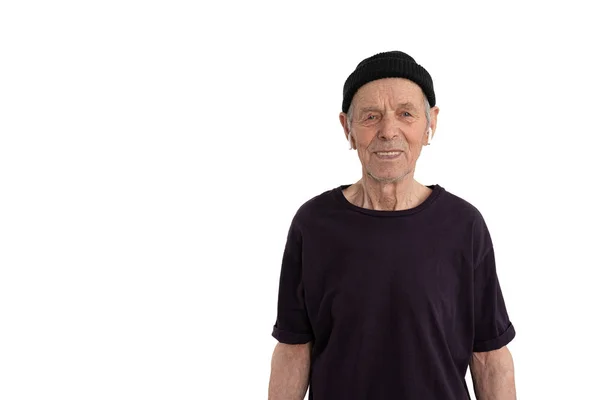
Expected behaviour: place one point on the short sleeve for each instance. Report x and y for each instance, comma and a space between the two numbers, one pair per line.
493, 328
292, 325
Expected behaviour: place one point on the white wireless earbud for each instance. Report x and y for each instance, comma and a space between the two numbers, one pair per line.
429, 133
350, 140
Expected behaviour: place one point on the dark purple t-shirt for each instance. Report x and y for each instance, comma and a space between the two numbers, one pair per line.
395, 302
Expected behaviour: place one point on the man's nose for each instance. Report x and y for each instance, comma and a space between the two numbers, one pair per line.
389, 127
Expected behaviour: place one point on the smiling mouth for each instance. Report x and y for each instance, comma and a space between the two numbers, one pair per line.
388, 155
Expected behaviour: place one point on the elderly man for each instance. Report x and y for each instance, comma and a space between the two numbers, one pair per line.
388, 288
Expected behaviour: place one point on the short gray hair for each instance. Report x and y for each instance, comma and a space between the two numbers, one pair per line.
351, 111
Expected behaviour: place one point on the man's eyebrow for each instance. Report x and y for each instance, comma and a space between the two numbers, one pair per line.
367, 109
408, 105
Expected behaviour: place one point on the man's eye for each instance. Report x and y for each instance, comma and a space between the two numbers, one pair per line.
406, 114
371, 117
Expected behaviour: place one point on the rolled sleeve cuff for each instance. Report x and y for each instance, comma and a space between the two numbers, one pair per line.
496, 343
288, 337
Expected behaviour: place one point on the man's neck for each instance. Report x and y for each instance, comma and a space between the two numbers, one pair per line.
387, 196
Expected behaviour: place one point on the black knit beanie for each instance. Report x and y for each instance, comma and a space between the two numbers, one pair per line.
391, 64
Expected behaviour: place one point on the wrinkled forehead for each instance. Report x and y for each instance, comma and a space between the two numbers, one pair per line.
389, 90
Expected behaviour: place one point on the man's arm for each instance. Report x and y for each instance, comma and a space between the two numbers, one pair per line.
493, 375
290, 367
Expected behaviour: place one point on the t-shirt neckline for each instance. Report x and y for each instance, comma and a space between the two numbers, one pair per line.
436, 191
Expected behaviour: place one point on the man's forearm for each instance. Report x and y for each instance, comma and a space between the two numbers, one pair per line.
290, 367
493, 375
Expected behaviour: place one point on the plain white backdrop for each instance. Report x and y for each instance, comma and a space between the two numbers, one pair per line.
152, 155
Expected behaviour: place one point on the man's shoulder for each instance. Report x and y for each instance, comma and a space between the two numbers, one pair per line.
457, 205
319, 203
317, 206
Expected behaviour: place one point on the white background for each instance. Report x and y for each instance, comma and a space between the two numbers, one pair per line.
152, 155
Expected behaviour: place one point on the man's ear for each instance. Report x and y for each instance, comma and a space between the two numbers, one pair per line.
344, 122
433, 124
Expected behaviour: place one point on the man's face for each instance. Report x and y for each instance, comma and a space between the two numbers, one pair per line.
389, 127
